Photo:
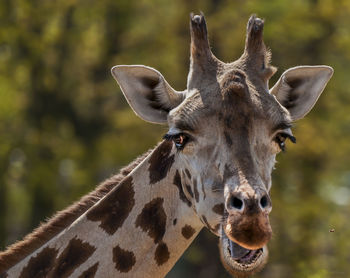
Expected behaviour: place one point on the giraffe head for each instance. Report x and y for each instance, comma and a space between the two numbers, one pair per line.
227, 128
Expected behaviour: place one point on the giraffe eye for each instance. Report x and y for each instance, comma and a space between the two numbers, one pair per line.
280, 139
179, 139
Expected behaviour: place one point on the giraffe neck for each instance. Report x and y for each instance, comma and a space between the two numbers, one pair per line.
141, 227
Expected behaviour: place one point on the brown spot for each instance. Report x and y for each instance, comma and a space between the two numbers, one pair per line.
204, 195
177, 182
40, 265
160, 162
228, 139
174, 221
124, 260
219, 209
188, 174
152, 219
189, 190
195, 189
90, 272
113, 210
187, 231
72, 256
162, 254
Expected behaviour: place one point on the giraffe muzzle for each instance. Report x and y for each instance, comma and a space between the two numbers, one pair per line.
245, 230
250, 232
240, 261
247, 222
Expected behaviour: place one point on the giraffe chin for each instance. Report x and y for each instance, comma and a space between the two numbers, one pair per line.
239, 261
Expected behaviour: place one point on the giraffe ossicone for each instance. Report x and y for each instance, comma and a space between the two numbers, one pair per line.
212, 169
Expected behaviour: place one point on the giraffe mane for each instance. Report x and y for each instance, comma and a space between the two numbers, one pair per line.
62, 219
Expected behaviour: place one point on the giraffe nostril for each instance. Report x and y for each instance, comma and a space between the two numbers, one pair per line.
265, 202
236, 203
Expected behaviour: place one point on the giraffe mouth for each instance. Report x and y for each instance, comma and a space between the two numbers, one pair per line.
240, 261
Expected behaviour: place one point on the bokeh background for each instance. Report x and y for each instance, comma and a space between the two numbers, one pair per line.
65, 126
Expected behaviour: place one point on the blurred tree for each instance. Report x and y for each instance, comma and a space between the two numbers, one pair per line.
65, 126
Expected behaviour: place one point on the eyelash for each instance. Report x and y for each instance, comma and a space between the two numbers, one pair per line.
180, 139
280, 139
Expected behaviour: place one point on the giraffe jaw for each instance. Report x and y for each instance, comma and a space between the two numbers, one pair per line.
239, 261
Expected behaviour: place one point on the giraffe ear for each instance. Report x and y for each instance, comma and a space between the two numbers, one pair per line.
299, 88
147, 92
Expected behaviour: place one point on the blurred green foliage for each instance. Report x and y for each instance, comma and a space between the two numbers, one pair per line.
65, 125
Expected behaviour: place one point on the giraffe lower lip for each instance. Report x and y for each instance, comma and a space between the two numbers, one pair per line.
236, 251
241, 254
240, 260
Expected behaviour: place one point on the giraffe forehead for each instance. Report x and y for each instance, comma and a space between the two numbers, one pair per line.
238, 104
236, 92
246, 105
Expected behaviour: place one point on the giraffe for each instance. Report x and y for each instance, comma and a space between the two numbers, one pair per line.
212, 169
